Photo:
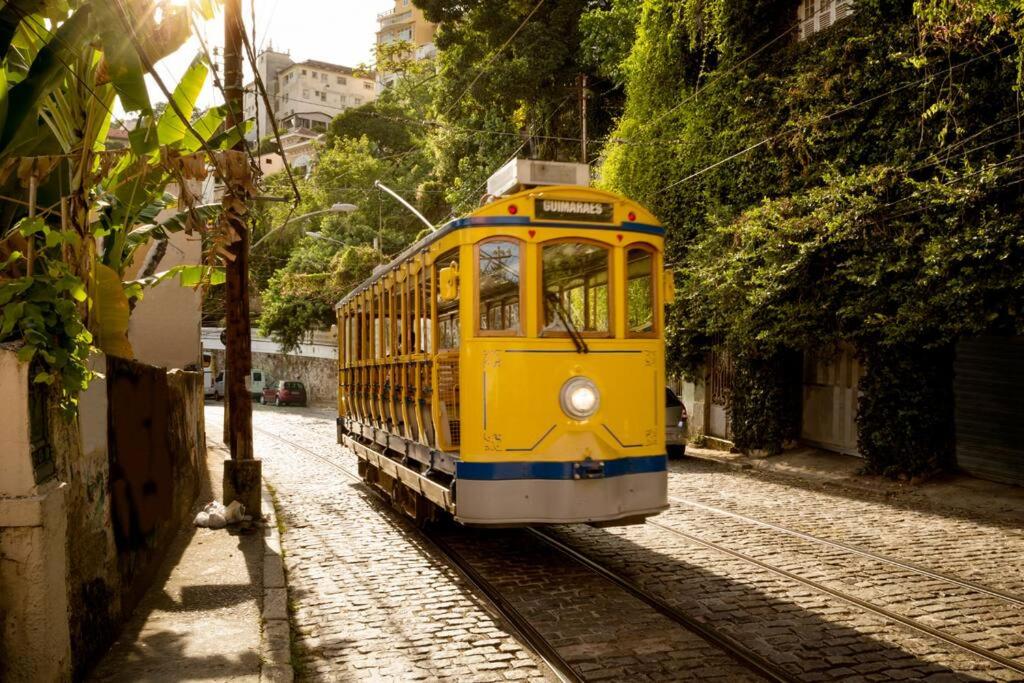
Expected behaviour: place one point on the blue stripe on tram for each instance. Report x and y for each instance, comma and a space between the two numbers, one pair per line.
484, 471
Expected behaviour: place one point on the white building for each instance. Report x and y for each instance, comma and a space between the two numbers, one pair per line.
304, 94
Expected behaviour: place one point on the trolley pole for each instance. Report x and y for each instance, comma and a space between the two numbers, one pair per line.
242, 473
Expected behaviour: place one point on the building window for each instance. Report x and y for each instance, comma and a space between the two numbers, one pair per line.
368, 86
303, 72
817, 15
358, 101
342, 80
323, 97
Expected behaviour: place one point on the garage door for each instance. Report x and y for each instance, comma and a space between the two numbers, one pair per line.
990, 408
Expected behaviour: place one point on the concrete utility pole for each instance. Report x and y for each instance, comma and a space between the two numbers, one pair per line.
242, 473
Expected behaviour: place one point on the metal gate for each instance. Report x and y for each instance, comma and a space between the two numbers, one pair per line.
830, 396
720, 375
989, 408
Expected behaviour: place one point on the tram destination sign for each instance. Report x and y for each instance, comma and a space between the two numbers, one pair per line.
568, 210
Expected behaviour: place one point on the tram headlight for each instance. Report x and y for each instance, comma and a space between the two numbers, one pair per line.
580, 398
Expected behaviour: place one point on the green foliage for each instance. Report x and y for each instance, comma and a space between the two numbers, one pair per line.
859, 185
506, 85
905, 417
64, 66
296, 302
609, 32
42, 310
765, 401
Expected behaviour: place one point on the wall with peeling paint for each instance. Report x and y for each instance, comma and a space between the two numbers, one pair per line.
80, 548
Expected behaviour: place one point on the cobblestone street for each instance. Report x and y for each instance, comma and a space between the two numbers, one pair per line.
814, 584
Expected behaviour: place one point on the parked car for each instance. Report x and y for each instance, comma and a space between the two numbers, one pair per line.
258, 380
285, 392
675, 424
209, 384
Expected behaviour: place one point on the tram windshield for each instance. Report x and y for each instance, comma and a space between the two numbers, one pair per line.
499, 286
576, 275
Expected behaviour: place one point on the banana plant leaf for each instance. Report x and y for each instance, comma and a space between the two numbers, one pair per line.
170, 128
48, 71
110, 311
11, 15
124, 66
173, 224
191, 276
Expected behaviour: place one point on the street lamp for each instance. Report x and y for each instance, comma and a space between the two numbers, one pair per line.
335, 208
320, 236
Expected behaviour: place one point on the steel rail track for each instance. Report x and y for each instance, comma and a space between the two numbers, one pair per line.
524, 630
903, 564
741, 653
1012, 664
535, 640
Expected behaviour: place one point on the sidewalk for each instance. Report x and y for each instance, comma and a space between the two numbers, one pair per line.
825, 468
202, 619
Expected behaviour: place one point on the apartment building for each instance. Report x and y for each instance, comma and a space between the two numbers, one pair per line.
304, 94
406, 23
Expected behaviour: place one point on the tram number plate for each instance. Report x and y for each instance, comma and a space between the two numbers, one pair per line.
566, 210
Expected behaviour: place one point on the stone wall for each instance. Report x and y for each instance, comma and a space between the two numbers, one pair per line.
80, 546
94, 597
156, 447
34, 640
320, 375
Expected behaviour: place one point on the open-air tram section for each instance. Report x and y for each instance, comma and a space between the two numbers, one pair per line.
508, 368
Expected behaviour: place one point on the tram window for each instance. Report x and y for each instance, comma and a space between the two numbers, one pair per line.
385, 324
426, 327
640, 291
448, 333
499, 280
575, 284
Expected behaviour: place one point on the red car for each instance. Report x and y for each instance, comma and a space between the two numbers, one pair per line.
284, 392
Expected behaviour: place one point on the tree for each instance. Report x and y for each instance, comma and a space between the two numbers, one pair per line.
63, 66
379, 141
507, 84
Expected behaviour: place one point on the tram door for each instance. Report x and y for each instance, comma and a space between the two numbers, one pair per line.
720, 385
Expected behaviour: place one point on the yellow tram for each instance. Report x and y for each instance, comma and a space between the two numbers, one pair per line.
509, 368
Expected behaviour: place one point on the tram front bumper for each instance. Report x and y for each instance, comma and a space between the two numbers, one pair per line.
512, 502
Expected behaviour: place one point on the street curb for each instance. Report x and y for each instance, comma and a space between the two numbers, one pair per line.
275, 635
723, 462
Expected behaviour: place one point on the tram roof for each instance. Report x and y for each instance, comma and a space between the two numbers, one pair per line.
495, 214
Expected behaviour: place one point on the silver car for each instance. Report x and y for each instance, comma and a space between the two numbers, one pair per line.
675, 424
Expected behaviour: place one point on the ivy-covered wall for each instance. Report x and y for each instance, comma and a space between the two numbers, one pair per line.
861, 185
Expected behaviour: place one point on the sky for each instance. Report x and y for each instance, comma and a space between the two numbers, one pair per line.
338, 31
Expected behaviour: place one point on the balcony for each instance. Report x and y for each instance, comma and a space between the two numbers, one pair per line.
391, 19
